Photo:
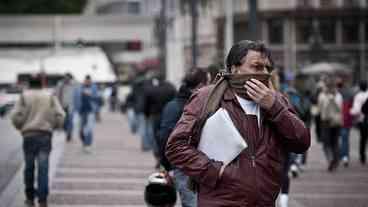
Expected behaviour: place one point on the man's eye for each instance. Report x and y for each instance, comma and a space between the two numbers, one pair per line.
269, 68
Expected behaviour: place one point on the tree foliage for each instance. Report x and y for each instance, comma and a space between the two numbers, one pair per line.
41, 6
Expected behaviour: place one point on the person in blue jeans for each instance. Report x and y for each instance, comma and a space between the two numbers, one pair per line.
65, 93
36, 114
86, 100
37, 148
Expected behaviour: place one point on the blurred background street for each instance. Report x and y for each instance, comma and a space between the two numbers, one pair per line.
134, 55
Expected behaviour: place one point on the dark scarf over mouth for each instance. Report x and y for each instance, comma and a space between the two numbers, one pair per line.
237, 82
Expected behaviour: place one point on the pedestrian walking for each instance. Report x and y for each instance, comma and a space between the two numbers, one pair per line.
193, 80
261, 116
158, 93
330, 105
36, 114
359, 100
86, 101
347, 121
65, 93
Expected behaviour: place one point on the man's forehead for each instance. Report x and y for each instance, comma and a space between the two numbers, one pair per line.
256, 57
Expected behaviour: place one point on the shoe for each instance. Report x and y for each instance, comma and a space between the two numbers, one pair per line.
294, 171
87, 149
29, 203
42, 204
333, 165
345, 161
283, 200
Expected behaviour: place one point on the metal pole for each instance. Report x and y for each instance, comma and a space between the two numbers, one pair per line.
194, 13
253, 19
229, 27
163, 38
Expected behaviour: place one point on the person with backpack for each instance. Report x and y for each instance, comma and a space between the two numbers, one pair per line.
36, 115
360, 113
330, 105
254, 119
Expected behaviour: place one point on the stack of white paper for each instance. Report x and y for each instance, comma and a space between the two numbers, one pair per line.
220, 139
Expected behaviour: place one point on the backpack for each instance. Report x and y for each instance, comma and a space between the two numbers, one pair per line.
333, 113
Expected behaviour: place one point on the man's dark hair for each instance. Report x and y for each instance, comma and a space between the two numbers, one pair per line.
88, 77
363, 85
195, 77
240, 50
213, 70
69, 75
35, 81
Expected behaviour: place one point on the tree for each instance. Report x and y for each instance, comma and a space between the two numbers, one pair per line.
193, 6
41, 6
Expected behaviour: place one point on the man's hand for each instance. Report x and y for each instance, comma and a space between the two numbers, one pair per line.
260, 94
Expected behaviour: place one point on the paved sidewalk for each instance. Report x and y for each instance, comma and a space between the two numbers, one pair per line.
115, 173
347, 187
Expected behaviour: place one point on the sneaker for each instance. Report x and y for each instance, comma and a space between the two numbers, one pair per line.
345, 161
29, 203
333, 165
87, 149
294, 171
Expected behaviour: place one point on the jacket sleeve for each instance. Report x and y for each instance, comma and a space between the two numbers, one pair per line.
58, 113
19, 114
183, 154
294, 135
170, 116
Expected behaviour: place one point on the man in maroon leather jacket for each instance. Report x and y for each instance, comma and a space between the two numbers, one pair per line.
253, 178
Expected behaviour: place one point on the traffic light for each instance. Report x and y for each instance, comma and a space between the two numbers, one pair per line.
134, 45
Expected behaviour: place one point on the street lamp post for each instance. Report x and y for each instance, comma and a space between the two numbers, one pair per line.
253, 19
317, 53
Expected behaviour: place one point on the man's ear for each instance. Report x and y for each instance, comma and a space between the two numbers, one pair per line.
233, 69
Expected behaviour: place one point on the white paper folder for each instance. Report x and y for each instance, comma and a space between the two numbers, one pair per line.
220, 139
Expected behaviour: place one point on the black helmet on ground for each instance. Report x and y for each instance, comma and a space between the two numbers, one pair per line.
160, 191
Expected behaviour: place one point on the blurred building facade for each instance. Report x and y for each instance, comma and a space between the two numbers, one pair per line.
300, 32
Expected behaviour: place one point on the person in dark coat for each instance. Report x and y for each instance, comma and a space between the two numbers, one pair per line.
158, 93
264, 119
195, 79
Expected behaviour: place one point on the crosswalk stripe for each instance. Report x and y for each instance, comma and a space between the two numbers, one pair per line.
99, 192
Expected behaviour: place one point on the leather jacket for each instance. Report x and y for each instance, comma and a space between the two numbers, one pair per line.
254, 177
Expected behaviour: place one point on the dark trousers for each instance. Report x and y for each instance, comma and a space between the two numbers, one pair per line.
363, 129
37, 149
330, 136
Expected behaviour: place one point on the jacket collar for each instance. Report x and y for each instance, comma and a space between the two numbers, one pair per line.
229, 95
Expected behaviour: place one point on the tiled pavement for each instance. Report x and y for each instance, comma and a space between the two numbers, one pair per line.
115, 173
347, 187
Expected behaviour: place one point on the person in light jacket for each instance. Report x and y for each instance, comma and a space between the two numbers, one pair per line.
266, 121
36, 114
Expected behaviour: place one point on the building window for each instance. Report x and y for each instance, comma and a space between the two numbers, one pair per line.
328, 3
351, 3
134, 7
276, 31
327, 28
304, 3
366, 32
125, 7
303, 30
350, 31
